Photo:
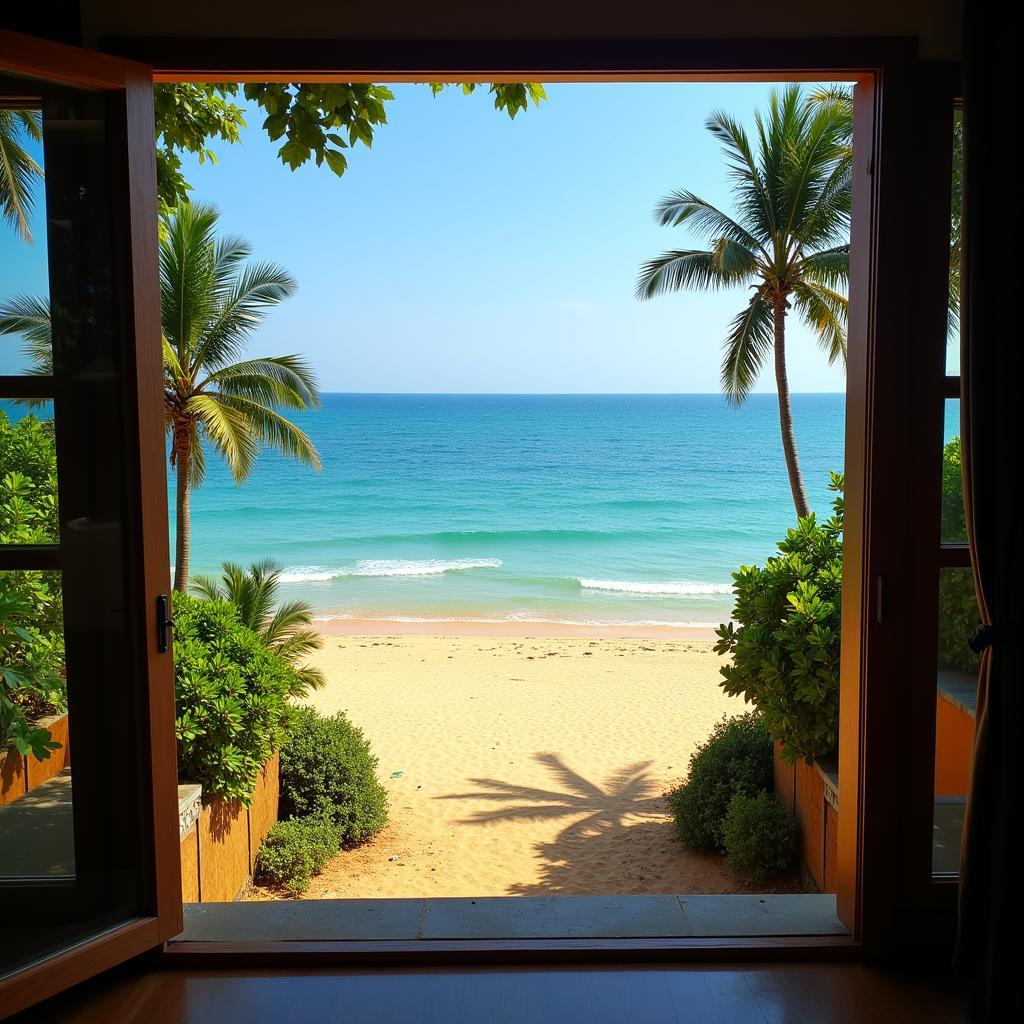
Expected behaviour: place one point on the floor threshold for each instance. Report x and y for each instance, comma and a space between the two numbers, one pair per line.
515, 917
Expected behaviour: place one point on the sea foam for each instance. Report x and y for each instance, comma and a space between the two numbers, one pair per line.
387, 567
676, 588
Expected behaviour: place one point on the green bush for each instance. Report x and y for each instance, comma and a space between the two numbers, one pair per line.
31, 615
328, 771
958, 607
760, 836
232, 697
296, 850
785, 651
735, 758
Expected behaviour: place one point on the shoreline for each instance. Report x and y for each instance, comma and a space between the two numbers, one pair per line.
524, 629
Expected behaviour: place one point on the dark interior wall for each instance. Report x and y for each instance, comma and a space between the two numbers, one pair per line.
58, 20
936, 24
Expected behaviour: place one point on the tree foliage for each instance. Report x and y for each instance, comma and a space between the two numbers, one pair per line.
31, 618
329, 772
785, 650
760, 836
312, 121
286, 626
231, 694
735, 758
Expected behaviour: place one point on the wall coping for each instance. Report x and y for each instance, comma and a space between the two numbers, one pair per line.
190, 806
960, 689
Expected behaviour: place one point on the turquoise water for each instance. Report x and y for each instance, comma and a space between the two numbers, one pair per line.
589, 508
618, 509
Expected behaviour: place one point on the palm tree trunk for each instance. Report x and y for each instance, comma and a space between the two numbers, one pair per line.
796, 480
183, 524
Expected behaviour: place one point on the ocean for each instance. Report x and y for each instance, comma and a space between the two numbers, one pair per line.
617, 509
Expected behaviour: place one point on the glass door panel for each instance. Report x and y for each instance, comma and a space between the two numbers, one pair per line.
77, 800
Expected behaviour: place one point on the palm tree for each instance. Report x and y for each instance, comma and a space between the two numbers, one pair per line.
841, 98
211, 302
789, 243
285, 627
18, 171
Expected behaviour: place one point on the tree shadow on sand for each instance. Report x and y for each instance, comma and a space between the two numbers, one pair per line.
601, 849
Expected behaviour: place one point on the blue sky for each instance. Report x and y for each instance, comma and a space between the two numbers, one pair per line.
469, 253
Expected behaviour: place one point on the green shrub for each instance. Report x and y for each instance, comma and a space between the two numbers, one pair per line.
296, 850
760, 836
958, 607
327, 770
232, 697
31, 615
785, 651
735, 758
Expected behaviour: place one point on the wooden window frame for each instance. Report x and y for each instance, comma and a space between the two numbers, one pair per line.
886, 896
130, 86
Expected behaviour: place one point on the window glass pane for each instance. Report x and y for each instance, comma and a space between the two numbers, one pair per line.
28, 473
953, 334
24, 284
69, 638
954, 526
956, 694
36, 827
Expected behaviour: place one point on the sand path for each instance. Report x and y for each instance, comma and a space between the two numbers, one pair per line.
520, 766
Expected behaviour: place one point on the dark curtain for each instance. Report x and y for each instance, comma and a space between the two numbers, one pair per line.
992, 862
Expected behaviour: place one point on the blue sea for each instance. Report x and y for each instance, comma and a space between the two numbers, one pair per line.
584, 509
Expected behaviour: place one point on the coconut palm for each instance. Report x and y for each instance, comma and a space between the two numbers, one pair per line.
211, 302
18, 171
841, 98
284, 626
788, 243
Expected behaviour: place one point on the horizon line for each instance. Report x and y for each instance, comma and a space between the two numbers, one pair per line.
569, 394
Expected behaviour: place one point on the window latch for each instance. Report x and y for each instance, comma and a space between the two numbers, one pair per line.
164, 623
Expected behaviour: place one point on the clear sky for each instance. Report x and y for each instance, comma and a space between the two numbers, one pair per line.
469, 253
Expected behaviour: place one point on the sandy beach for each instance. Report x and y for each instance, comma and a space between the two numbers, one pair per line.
524, 765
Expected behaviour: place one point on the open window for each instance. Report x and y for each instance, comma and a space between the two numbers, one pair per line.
104, 389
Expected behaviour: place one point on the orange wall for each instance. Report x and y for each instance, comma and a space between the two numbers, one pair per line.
954, 738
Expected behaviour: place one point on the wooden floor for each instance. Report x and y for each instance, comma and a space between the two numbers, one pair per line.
740, 993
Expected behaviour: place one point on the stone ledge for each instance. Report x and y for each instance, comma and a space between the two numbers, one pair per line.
190, 806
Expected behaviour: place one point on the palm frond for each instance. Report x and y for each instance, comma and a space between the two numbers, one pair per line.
241, 307
268, 427
187, 281
825, 312
229, 429
29, 316
750, 339
285, 627
286, 381
829, 267
750, 188
725, 267
19, 172
682, 207
208, 587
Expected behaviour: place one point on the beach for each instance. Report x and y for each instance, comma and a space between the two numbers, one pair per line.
521, 764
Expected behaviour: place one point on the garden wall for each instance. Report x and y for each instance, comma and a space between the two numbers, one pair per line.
220, 839
811, 791
19, 775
